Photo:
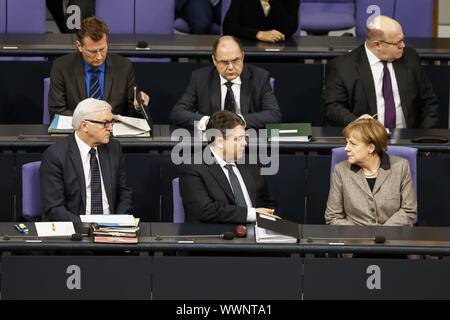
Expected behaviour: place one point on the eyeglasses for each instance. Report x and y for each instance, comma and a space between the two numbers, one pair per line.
234, 62
397, 44
104, 123
93, 53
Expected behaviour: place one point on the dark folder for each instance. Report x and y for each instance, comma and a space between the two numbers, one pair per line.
285, 227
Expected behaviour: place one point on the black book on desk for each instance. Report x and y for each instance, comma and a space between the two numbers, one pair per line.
269, 229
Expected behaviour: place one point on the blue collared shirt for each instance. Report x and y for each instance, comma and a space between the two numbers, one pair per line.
101, 75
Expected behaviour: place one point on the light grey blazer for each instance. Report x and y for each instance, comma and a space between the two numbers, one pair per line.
392, 202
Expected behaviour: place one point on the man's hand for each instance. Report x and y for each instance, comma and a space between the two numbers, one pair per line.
270, 36
144, 97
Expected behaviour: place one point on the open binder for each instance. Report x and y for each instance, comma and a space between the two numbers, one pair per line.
272, 230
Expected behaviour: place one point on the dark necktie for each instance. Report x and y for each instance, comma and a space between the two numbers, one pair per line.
388, 95
94, 86
96, 185
237, 190
230, 103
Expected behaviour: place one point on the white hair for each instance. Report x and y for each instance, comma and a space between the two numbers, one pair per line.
86, 108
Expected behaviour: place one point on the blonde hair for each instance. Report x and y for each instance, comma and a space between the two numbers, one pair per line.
368, 131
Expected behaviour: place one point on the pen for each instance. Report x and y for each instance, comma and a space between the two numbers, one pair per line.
375, 115
53, 227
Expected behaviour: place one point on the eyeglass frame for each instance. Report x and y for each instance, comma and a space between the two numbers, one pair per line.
104, 123
93, 53
234, 62
398, 43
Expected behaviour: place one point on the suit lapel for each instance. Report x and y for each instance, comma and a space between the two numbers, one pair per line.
245, 91
217, 172
381, 178
80, 77
365, 74
78, 166
361, 181
108, 79
249, 183
216, 92
105, 167
401, 75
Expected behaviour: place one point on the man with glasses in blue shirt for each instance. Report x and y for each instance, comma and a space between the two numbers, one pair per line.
93, 73
228, 85
85, 172
382, 78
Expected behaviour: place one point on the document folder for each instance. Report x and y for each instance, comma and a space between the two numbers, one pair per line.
289, 132
281, 226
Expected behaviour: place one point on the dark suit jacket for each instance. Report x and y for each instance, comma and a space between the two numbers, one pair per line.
208, 197
68, 84
203, 97
246, 17
349, 90
63, 185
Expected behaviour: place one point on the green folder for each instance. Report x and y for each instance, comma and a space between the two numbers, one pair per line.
289, 132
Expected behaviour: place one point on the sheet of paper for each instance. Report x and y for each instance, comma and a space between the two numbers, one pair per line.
54, 229
64, 122
119, 220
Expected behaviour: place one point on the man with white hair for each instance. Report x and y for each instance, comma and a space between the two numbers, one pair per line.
85, 172
382, 78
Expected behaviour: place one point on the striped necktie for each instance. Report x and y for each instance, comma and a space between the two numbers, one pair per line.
96, 185
94, 86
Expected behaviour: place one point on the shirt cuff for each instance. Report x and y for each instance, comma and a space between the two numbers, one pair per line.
202, 123
251, 214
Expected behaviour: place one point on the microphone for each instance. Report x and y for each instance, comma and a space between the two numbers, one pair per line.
226, 236
73, 237
376, 239
144, 111
142, 45
241, 231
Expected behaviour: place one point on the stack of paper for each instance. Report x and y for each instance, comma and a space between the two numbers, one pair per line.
268, 236
113, 228
131, 127
61, 124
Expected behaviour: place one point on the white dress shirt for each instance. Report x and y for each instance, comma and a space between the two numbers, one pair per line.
86, 161
376, 65
236, 87
251, 212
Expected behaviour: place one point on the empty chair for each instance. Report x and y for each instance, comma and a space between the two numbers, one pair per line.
415, 16
26, 16
117, 14
31, 191
154, 16
45, 114
178, 209
366, 10
322, 16
2, 16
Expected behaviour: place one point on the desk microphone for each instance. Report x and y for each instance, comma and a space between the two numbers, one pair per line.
376, 239
73, 237
225, 236
142, 45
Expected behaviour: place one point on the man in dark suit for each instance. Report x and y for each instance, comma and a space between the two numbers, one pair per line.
264, 20
382, 78
219, 190
93, 73
229, 85
85, 172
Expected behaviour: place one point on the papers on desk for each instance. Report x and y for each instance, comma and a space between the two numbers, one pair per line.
289, 132
110, 220
268, 236
54, 229
61, 124
131, 127
124, 127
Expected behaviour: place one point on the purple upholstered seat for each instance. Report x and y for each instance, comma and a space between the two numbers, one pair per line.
26, 16
45, 114
154, 16
178, 209
31, 191
2, 16
327, 15
117, 14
